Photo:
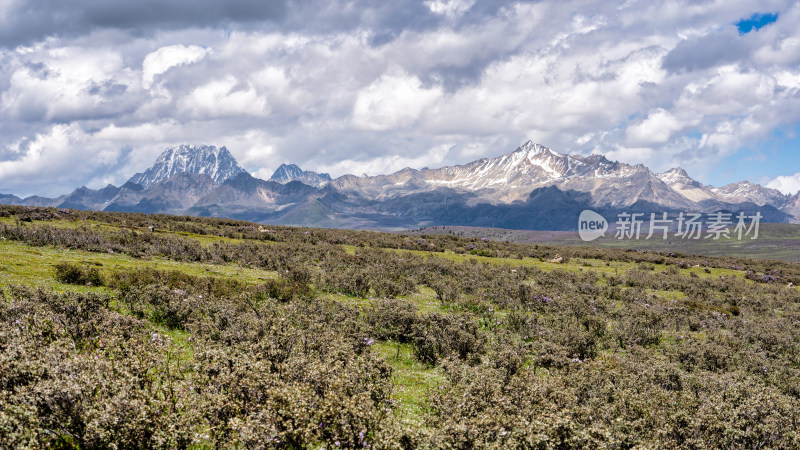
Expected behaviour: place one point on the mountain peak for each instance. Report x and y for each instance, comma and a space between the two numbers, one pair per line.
678, 176
217, 163
675, 171
533, 149
286, 173
291, 172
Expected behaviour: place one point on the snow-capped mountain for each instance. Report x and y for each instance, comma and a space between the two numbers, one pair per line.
680, 181
290, 172
529, 166
734, 193
513, 176
745, 191
217, 163
677, 176
532, 187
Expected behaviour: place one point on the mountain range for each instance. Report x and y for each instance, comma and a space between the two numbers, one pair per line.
532, 187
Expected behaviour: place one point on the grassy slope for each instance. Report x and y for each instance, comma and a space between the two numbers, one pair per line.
24, 264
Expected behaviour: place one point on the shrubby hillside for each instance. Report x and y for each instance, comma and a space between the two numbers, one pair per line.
150, 331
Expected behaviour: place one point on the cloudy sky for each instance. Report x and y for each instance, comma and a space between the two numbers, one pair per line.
91, 91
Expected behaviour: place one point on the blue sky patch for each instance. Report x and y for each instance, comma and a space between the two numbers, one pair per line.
778, 154
756, 22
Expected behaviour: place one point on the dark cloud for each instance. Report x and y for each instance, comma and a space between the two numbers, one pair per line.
12, 154
28, 21
385, 19
455, 77
143, 13
108, 89
706, 51
38, 69
481, 10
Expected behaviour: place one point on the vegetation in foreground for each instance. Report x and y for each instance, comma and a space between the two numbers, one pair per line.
216, 333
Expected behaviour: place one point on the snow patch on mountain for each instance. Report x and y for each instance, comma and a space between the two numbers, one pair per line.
217, 163
683, 184
744, 191
514, 175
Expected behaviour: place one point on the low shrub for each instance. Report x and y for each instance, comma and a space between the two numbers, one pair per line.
439, 335
70, 273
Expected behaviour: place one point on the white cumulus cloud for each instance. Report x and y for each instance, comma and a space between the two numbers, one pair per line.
788, 184
165, 58
657, 128
393, 101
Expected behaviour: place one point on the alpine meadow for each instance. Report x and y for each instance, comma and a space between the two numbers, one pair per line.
152, 331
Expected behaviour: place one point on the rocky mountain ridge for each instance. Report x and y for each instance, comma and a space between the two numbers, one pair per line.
532, 187
217, 163
290, 172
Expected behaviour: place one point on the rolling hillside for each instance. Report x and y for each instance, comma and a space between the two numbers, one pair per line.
222, 332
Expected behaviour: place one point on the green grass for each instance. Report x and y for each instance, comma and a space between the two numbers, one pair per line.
23, 264
425, 299
412, 379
